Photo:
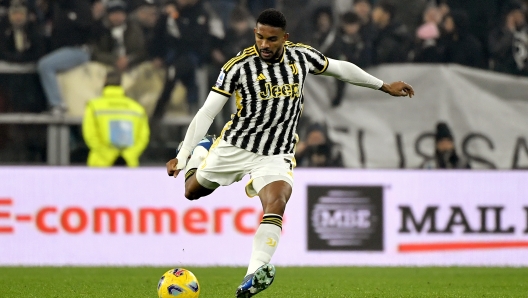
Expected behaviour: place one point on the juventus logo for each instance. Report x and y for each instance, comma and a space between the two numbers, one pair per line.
294, 68
271, 242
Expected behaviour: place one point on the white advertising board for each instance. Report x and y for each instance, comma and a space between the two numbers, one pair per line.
79, 216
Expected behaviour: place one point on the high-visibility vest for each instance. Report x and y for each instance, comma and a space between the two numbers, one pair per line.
115, 125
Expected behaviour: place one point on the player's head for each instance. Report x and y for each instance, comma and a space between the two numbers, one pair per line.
270, 34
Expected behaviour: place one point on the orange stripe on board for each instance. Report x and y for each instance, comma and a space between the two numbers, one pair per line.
23, 217
430, 247
6, 201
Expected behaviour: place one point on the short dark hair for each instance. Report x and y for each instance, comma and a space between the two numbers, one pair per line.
360, 1
350, 18
273, 18
113, 78
443, 132
388, 7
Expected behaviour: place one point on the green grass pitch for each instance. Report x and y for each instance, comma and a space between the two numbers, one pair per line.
218, 282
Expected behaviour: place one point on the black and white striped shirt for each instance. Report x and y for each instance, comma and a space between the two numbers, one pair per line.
269, 97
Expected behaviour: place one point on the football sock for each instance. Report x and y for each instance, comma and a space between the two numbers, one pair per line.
265, 241
198, 155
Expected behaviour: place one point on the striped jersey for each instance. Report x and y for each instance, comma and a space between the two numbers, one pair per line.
269, 97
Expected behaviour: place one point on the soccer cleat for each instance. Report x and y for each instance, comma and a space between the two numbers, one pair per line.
207, 142
256, 282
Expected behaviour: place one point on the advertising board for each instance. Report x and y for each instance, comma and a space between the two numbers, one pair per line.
79, 216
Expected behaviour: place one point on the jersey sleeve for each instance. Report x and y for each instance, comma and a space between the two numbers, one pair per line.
227, 79
316, 61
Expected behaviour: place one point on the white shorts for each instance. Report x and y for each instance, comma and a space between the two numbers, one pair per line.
226, 164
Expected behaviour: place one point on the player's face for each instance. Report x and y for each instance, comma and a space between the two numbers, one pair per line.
270, 41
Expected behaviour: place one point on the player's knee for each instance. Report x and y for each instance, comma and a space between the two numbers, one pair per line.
191, 195
276, 205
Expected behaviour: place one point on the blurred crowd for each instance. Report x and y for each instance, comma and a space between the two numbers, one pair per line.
182, 36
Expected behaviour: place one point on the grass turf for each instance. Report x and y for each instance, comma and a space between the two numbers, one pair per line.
218, 282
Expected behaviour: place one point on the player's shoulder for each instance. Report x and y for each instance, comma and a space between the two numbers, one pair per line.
240, 58
299, 47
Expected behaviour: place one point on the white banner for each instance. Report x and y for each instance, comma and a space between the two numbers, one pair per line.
80, 216
486, 112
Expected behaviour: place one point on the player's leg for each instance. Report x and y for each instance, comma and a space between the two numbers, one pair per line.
195, 186
274, 196
195, 190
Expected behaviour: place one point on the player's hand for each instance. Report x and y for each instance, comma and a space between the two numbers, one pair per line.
171, 167
398, 89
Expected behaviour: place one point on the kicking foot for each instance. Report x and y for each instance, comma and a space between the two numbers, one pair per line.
207, 142
256, 282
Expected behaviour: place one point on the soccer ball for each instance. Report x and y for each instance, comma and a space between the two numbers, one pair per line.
179, 283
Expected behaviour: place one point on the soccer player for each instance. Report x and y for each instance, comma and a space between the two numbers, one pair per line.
267, 80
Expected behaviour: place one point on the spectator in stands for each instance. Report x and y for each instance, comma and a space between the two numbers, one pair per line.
363, 8
318, 150
323, 36
21, 39
121, 44
457, 44
409, 12
351, 46
181, 44
482, 15
393, 41
446, 156
4, 5
70, 25
20, 42
146, 14
115, 127
508, 44
443, 8
427, 36
239, 36
39, 13
98, 10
